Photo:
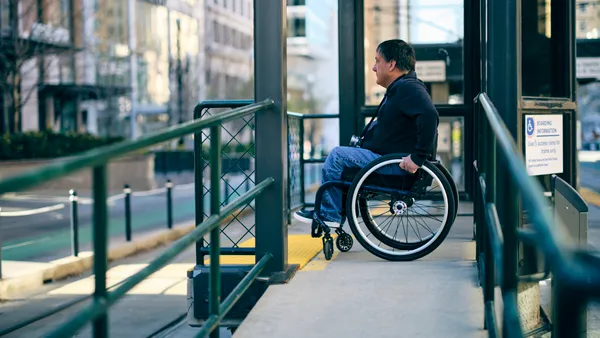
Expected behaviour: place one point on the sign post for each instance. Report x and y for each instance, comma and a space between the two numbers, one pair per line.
547, 139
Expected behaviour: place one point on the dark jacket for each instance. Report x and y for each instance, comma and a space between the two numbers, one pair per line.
406, 122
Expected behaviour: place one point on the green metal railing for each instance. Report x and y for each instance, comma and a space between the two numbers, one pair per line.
296, 160
97, 160
575, 274
202, 111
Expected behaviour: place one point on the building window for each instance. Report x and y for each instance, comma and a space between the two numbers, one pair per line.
4, 14
296, 27
216, 35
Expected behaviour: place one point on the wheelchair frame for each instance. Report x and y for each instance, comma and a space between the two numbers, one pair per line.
344, 241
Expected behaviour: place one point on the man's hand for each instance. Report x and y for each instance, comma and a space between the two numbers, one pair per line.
408, 165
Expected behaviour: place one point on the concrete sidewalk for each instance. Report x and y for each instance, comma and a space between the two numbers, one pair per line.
359, 295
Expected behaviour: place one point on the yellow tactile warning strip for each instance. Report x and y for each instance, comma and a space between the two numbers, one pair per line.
301, 250
320, 263
590, 196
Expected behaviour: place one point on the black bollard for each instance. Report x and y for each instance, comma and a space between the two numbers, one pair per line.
74, 223
169, 186
127, 192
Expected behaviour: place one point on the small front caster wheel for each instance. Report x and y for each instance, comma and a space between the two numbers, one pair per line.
328, 248
344, 242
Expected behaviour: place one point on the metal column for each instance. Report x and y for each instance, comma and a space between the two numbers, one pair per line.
351, 60
503, 43
270, 68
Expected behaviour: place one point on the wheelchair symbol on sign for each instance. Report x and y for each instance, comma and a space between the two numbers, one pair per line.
530, 127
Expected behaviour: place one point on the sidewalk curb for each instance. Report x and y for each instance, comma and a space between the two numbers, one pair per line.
23, 285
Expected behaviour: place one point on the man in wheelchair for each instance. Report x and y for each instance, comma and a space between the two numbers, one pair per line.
406, 122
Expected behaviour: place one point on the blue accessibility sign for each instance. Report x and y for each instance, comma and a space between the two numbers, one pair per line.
530, 127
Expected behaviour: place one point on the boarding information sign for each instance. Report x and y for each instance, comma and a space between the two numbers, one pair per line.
544, 144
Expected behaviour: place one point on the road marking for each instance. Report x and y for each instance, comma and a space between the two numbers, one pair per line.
18, 245
590, 196
29, 212
320, 263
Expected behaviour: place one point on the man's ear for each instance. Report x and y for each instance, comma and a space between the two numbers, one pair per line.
392, 65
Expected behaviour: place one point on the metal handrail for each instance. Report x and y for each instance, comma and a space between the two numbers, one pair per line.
97, 309
97, 160
303, 161
549, 237
573, 270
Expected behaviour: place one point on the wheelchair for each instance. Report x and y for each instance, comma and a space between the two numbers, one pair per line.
375, 196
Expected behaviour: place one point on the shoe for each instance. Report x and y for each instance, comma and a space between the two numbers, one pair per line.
306, 216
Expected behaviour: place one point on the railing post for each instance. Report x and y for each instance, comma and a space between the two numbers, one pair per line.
226, 192
569, 310
302, 182
100, 232
169, 187
215, 207
0, 250
270, 62
127, 191
198, 184
74, 223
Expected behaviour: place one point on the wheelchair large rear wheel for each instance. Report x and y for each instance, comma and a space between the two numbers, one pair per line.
450, 180
400, 218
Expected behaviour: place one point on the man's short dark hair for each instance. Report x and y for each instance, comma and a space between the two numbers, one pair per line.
399, 51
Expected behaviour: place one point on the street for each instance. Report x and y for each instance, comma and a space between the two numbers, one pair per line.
590, 179
47, 236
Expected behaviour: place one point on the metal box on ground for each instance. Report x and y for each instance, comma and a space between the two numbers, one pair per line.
198, 294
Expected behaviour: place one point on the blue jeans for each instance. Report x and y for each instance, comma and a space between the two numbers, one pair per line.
338, 159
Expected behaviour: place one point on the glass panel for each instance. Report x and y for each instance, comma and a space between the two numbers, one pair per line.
588, 19
56, 13
111, 42
188, 55
435, 29
28, 18
152, 54
4, 14
543, 42
450, 149
110, 25
313, 174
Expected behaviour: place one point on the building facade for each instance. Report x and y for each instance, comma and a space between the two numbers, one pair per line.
129, 67
120, 67
167, 61
229, 49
